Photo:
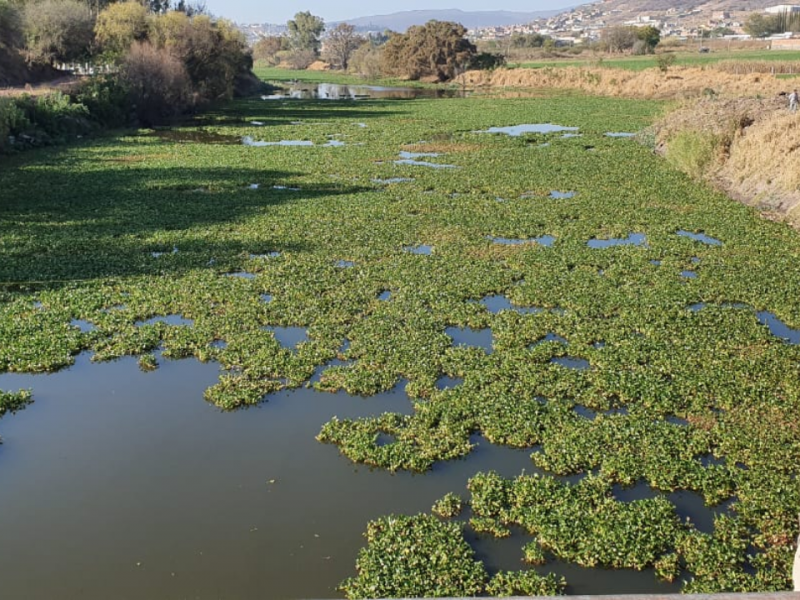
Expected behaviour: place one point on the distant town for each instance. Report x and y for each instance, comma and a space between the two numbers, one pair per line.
584, 24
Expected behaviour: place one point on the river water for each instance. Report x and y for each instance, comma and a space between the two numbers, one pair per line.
121, 484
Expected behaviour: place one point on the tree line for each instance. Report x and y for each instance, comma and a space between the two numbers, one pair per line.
163, 59
437, 51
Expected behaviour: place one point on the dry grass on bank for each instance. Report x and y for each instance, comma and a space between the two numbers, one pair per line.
677, 82
749, 147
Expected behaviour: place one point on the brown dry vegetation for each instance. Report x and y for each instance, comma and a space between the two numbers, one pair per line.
678, 82
756, 148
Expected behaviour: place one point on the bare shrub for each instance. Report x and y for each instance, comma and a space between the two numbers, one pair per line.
299, 59
158, 83
366, 61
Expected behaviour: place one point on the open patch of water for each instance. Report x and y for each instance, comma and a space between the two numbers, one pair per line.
273, 254
421, 249
174, 320
160, 254
335, 91
634, 239
778, 328
544, 240
699, 237
570, 362
446, 382
345, 264
410, 158
518, 130
556, 195
480, 338
619, 134
289, 337
496, 303
286, 188
266, 298
84, 326
241, 275
385, 295
393, 180
689, 274
550, 337
169, 496
249, 141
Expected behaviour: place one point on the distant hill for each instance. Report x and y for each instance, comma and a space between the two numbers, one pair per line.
695, 11
470, 19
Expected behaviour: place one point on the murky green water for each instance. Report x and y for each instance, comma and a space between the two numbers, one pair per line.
123, 484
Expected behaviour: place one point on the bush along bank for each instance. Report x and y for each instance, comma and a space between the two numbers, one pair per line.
179, 65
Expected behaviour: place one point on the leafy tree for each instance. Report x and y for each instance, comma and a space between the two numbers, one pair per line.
533, 40
213, 52
305, 31
618, 39
437, 50
650, 36
267, 49
367, 60
11, 34
340, 44
761, 25
120, 25
57, 30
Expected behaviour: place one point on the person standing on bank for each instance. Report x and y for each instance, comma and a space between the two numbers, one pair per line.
793, 99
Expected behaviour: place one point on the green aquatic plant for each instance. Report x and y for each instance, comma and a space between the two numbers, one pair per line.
11, 402
448, 506
415, 557
606, 361
525, 583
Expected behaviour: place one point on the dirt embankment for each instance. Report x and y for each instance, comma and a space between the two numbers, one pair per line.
752, 141
756, 145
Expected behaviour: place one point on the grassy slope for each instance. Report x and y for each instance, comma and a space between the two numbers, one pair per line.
78, 228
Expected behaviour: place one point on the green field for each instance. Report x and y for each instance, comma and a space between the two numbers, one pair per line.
687, 59
602, 362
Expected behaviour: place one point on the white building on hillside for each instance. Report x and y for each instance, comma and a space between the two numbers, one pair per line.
782, 8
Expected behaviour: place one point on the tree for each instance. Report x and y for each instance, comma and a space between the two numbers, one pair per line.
532, 40
11, 32
366, 61
650, 36
120, 25
618, 39
57, 30
305, 31
760, 25
436, 50
267, 49
340, 44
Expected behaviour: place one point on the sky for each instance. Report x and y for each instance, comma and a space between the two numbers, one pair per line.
253, 11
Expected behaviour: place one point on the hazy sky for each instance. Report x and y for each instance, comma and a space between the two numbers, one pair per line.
253, 11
